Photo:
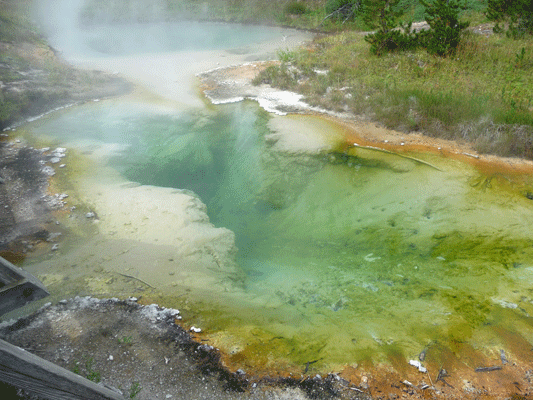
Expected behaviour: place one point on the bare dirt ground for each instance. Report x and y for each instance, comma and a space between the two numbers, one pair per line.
140, 351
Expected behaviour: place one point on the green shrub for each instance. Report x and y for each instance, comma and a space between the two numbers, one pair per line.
387, 41
518, 14
445, 33
295, 8
383, 15
344, 9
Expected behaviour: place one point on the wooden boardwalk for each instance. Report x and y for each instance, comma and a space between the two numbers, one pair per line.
27, 371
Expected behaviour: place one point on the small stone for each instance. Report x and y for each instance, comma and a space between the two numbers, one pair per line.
55, 247
55, 160
195, 329
110, 358
48, 171
90, 215
62, 165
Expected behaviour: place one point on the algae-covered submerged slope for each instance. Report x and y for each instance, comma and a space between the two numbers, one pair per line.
350, 257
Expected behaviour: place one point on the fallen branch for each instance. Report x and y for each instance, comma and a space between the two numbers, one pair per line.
488, 369
137, 279
399, 155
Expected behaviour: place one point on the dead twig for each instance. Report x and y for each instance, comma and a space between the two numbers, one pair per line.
488, 369
137, 279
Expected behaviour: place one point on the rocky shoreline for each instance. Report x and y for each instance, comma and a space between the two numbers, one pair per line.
26, 207
40, 85
140, 351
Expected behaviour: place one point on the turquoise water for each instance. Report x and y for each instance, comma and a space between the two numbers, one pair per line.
343, 251
61, 24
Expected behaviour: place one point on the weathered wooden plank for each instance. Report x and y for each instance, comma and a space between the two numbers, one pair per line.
19, 287
7, 275
49, 381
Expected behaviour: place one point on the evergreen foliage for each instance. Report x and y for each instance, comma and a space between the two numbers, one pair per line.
518, 14
390, 35
445, 33
383, 15
344, 9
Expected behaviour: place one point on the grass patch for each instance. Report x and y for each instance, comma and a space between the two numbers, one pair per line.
484, 94
307, 14
15, 24
135, 389
86, 369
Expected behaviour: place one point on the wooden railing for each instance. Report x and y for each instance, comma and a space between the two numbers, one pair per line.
27, 371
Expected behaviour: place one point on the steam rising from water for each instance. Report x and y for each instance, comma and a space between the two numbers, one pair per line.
340, 254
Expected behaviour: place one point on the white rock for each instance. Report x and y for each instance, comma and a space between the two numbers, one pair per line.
48, 171
418, 364
195, 329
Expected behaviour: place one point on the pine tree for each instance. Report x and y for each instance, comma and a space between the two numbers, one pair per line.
383, 15
517, 13
445, 33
